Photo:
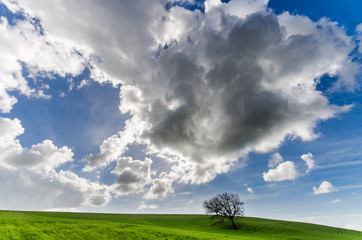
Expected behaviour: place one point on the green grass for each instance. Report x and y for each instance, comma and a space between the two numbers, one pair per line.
56, 225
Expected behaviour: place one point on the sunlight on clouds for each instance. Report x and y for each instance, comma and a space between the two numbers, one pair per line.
23, 171
132, 175
308, 158
284, 171
24, 45
325, 187
41, 157
275, 159
27, 190
160, 187
214, 74
203, 90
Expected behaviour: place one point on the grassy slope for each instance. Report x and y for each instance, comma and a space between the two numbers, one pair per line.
49, 225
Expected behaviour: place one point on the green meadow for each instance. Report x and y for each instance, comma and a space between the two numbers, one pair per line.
57, 225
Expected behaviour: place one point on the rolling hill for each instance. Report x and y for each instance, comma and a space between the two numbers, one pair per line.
59, 225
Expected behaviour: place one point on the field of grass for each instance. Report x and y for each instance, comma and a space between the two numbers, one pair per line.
55, 225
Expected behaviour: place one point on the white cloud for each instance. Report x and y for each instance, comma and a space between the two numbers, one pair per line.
10, 129
243, 8
359, 36
275, 159
234, 80
336, 201
133, 175
83, 83
41, 157
325, 187
160, 187
152, 206
250, 190
308, 158
284, 171
145, 206
25, 44
296, 24
28, 190
240, 9
198, 113
116, 55
110, 150
29, 180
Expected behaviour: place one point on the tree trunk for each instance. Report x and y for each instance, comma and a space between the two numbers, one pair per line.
234, 225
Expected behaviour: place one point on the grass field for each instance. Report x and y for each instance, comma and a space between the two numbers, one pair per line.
55, 225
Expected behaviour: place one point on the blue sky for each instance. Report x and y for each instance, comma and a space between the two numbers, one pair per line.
152, 108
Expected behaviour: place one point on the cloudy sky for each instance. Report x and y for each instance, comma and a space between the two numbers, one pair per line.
153, 106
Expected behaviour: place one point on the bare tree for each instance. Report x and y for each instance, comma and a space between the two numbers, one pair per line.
225, 205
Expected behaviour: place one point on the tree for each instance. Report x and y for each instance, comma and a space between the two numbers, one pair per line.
225, 205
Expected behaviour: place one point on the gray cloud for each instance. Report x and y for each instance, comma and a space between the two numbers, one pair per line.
160, 187
245, 98
133, 175
234, 80
233, 85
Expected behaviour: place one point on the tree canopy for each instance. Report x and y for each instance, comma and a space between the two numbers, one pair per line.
225, 205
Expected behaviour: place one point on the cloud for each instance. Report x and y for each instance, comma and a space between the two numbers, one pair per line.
231, 89
308, 158
336, 201
40, 157
28, 190
132, 175
250, 190
284, 171
83, 83
23, 171
25, 45
160, 187
275, 159
359, 36
145, 206
237, 8
325, 187
109, 22
212, 88
110, 150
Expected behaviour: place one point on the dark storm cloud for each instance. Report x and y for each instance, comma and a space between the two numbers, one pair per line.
202, 89
247, 110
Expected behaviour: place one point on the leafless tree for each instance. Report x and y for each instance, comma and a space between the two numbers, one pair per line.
225, 205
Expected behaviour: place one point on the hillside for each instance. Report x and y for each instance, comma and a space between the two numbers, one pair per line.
56, 225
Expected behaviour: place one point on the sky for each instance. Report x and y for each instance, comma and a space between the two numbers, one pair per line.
154, 106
